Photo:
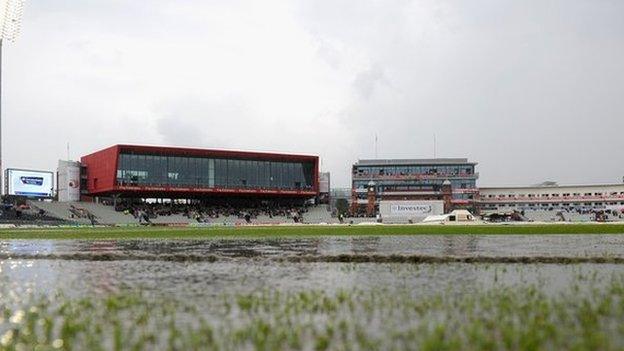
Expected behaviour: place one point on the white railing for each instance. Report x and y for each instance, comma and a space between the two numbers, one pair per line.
414, 176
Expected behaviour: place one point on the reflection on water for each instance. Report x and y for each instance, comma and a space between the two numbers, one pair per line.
450, 245
203, 279
365, 245
460, 246
248, 264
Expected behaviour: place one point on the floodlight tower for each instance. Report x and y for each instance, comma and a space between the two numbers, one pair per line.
10, 22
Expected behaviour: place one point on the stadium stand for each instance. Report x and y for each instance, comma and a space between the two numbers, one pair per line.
81, 212
26, 215
180, 214
571, 216
319, 214
66, 211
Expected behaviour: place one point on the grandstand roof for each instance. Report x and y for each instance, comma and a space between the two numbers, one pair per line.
177, 150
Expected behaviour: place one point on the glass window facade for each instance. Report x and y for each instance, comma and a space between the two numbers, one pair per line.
447, 170
419, 177
181, 171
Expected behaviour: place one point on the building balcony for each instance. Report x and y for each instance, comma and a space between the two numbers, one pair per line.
360, 176
423, 192
465, 191
409, 193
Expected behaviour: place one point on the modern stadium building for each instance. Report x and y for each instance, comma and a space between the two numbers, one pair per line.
136, 171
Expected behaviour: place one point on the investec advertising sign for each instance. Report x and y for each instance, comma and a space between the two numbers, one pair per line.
411, 209
408, 209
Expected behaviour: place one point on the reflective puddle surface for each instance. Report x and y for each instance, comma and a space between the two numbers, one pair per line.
201, 279
246, 283
249, 265
437, 245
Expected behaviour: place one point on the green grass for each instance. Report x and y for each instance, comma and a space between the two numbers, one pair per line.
519, 318
295, 231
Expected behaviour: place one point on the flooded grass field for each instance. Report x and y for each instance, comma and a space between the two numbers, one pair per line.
314, 293
212, 231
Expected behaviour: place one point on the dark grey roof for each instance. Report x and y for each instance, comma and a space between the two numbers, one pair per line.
417, 162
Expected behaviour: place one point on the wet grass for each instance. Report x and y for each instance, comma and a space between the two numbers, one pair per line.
519, 318
299, 231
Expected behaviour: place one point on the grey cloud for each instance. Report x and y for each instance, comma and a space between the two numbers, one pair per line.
202, 121
178, 130
530, 90
515, 86
328, 53
367, 81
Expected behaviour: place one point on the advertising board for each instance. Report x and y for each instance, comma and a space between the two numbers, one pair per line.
28, 183
411, 209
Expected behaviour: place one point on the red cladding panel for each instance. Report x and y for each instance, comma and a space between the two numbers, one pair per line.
101, 170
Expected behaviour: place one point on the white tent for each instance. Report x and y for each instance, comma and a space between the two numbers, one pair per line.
455, 216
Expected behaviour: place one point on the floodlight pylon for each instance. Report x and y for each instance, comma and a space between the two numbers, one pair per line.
11, 12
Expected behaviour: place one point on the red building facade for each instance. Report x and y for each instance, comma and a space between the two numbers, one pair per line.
175, 172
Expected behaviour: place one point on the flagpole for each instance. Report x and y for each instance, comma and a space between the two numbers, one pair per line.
376, 145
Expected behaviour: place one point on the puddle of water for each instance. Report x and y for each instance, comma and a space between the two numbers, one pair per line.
202, 279
429, 245
380, 300
266, 266
294, 264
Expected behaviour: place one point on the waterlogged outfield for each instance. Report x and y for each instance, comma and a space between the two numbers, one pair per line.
301, 231
501, 319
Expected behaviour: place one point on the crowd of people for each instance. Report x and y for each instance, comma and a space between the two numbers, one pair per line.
564, 214
206, 213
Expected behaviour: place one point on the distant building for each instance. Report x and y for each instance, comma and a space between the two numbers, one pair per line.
339, 194
324, 187
68, 181
550, 196
452, 180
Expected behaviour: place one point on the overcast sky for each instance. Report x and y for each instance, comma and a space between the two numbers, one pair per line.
532, 90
